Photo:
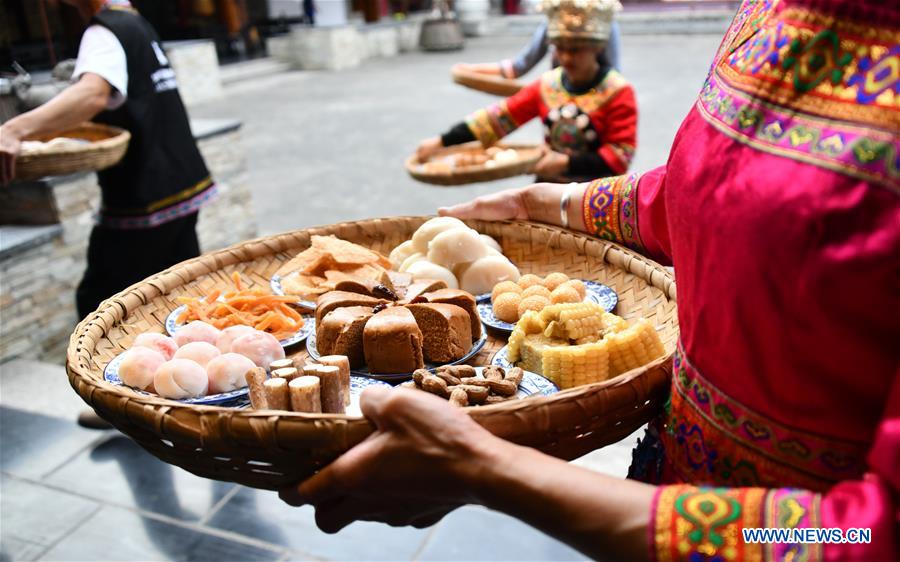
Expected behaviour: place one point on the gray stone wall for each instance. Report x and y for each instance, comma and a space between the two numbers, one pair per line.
37, 285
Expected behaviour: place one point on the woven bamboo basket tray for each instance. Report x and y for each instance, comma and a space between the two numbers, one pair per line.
267, 449
106, 147
529, 154
487, 83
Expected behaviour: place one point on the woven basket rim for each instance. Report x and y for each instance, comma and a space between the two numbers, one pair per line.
115, 309
478, 173
114, 139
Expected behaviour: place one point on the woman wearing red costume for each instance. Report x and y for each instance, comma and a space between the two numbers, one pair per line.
780, 210
588, 109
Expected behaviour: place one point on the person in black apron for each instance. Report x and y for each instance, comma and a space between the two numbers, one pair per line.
151, 198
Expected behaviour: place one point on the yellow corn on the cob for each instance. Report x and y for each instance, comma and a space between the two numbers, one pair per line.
575, 320
632, 347
576, 344
575, 365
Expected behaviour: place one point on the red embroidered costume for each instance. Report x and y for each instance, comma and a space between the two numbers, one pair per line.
780, 210
596, 125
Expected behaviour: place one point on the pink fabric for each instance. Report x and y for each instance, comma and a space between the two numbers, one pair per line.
788, 281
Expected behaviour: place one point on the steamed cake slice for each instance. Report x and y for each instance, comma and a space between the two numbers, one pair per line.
422, 286
341, 333
446, 331
340, 299
392, 342
461, 299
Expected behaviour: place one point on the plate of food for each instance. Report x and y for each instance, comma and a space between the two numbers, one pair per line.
328, 262
242, 307
391, 339
112, 374
465, 385
509, 300
199, 365
579, 343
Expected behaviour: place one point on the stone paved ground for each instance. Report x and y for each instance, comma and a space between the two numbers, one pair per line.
323, 147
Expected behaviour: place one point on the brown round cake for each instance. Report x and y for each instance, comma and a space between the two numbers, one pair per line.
341, 333
446, 331
392, 342
341, 299
461, 299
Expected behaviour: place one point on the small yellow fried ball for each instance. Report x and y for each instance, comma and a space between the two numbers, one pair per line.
554, 280
505, 287
528, 280
578, 286
534, 302
563, 294
506, 307
538, 290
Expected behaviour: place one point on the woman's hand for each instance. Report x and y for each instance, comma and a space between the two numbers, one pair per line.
421, 463
10, 146
427, 148
504, 205
552, 165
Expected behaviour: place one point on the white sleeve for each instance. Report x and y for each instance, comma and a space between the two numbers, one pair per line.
101, 53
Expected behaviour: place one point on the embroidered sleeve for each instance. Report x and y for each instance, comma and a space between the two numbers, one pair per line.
619, 118
494, 122
630, 210
706, 524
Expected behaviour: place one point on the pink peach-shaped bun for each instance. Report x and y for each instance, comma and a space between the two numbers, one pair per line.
159, 342
181, 378
196, 331
226, 372
229, 334
139, 365
199, 352
259, 347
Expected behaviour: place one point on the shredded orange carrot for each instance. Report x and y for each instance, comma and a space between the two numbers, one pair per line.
249, 307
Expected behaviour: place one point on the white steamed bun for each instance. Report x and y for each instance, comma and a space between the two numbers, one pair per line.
138, 366
432, 228
226, 372
196, 331
181, 378
427, 270
481, 276
457, 245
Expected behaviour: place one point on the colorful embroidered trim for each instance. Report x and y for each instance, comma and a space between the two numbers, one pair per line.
173, 199
555, 94
610, 210
704, 524
160, 217
860, 152
748, 19
710, 438
491, 124
840, 69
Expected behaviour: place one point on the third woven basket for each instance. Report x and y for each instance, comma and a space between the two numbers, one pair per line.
269, 449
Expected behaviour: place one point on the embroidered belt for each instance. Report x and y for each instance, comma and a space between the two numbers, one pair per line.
710, 438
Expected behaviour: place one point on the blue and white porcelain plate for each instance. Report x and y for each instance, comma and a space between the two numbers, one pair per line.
309, 327
235, 398
501, 358
398, 377
357, 385
594, 292
277, 289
